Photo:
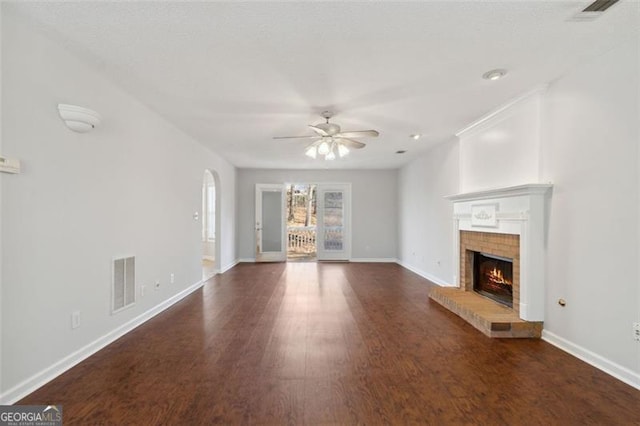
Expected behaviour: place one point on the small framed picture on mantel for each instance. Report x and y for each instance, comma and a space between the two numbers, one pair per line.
484, 215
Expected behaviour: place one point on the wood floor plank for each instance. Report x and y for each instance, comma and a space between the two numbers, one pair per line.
323, 343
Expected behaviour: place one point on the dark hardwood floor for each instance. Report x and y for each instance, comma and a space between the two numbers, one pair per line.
307, 343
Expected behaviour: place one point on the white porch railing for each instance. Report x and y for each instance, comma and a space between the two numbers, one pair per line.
301, 239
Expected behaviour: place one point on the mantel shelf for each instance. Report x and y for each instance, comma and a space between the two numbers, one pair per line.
510, 191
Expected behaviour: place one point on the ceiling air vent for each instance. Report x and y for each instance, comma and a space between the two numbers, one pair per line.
593, 11
600, 5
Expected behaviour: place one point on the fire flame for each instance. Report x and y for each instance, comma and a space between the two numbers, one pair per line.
496, 276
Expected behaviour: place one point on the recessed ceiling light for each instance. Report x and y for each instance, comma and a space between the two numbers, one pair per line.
494, 74
402, 151
415, 136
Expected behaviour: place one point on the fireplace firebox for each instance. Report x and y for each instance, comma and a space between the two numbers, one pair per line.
493, 277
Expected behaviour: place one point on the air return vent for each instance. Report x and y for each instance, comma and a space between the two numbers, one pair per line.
600, 5
593, 11
124, 283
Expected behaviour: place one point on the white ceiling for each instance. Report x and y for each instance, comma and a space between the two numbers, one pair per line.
233, 75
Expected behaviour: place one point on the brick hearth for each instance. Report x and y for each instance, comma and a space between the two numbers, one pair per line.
491, 318
488, 316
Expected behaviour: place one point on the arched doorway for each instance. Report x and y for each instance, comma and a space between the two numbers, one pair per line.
210, 224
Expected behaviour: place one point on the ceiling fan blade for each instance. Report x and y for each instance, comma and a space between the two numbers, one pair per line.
319, 130
350, 143
358, 133
296, 137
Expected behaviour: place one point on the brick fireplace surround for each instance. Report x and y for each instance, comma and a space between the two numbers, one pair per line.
504, 245
510, 223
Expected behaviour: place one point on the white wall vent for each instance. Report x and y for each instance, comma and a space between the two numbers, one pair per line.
124, 283
593, 11
600, 5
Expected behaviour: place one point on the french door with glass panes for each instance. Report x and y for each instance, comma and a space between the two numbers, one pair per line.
334, 221
270, 223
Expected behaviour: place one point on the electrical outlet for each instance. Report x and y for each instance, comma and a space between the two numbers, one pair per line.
172, 278
636, 331
157, 284
75, 319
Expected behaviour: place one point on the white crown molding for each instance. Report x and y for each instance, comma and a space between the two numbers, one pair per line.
509, 191
475, 125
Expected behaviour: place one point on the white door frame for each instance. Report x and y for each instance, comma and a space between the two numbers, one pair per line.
217, 242
271, 256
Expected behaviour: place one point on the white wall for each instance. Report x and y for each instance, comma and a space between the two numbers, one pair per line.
425, 218
503, 149
590, 153
374, 205
130, 186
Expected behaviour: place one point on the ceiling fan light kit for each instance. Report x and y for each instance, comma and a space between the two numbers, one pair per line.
327, 147
323, 148
330, 140
311, 151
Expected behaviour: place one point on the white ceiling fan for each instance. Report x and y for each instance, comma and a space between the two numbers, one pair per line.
331, 140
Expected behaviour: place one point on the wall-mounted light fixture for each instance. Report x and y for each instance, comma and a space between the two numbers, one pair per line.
9, 165
78, 119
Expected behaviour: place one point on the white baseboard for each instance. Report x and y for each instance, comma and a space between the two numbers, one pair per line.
229, 266
425, 275
356, 260
619, 372
39, 379
374, 260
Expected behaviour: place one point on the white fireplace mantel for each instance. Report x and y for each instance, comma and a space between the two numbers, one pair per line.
510, 191
518, 210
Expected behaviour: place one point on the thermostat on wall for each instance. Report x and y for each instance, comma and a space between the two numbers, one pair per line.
8, 165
